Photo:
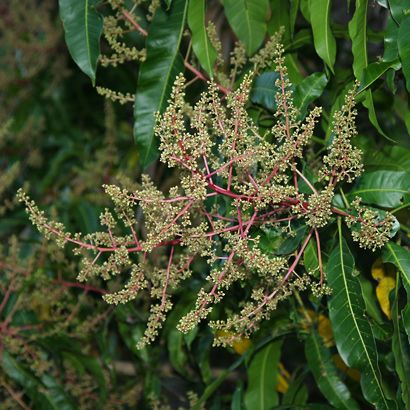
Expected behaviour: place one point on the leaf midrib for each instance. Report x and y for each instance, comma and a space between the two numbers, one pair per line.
354, 317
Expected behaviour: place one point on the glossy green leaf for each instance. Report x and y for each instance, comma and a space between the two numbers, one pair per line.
308, 91
324, 40
324, 370
248, 21
369, 104
82, 29
310, 258
157, 75
403, 43
352, 332
383, 188
399, 9
280, 18
391, 157
263, 375
264, 90
390, 40
400, 257
369, 297
358, 34
374, 71
401, 348
203, 49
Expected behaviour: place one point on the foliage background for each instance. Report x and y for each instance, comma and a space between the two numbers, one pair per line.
61, 346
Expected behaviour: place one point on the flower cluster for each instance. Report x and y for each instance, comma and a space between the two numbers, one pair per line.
234, 181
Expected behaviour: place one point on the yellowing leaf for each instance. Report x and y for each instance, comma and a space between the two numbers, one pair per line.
283, 379
324, 327
239, 344
350, 372
385, 286
242, 345
385, 275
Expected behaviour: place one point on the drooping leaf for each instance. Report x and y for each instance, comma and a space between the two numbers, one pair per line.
82, 29
308, 91
383, 188
263, 374
401, 348
248, 21
353, 334
157, 75
320, 362
374, 71
201, 44
403, 43
358, 33
324, 40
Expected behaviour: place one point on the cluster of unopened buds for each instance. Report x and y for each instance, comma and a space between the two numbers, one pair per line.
236, 185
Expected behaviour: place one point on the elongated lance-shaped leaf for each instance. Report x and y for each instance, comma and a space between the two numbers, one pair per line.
403, 43
263, 376
201, 44
401, 348
157, 75
248, 21
323, 38
358, 33
353, 334
324, 370
82, 29
400, 257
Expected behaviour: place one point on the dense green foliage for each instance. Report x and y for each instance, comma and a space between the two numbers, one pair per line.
63, 347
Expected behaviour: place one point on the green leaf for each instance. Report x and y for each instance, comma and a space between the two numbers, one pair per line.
374, 71
353, 334
391, 157
369, 297
264, 90
403, 43
308, 91
324, 40
292, 242
319, 360
45, 395
248, 21
310, 258
369, 104
82, 29
201, 44
157, 75
263, 373
358, 34
400, 257
401, 348
280, 18
383, 188
390, 40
